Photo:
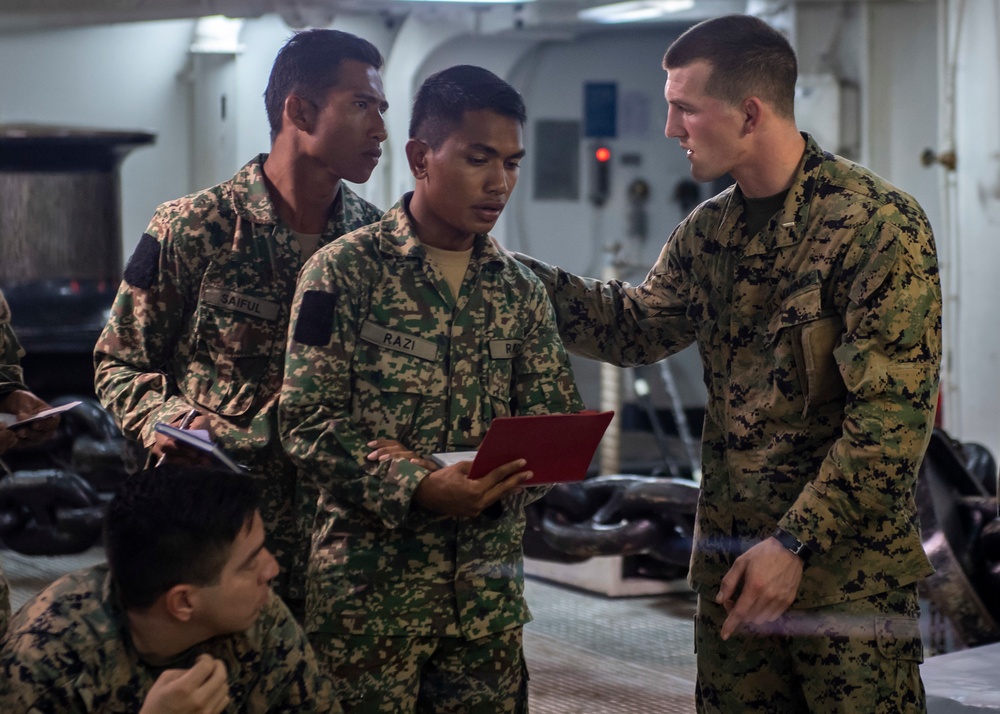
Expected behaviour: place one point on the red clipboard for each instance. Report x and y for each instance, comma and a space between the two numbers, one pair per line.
558, 448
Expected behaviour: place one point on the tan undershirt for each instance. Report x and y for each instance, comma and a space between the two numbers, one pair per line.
453, 263
308, 242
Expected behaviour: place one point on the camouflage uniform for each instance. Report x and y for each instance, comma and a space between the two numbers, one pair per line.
11, 380
820, 338
11, 374
379, 348
4, 601
201, 320
68, 650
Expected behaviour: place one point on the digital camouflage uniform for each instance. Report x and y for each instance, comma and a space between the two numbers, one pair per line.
200, 321
378, 347
11, 380
68, 651
820, 338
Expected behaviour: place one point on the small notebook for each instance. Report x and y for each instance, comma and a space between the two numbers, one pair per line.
198, 440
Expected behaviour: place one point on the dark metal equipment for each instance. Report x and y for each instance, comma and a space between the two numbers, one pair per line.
649, 517
956, 498
60, 244
53, 496
650, 520
60, 265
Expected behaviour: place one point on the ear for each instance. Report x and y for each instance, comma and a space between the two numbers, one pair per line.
300, 112
180, 602
416, 155
753, 112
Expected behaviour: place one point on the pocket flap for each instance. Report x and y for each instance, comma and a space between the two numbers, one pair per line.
804, 305
899, 638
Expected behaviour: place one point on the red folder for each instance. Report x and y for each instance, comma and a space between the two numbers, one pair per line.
557, 447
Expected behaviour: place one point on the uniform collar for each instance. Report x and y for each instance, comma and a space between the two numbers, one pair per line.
788, 226
398, 237
252, 199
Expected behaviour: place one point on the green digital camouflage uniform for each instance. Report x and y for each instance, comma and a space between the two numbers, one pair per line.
11, 380
201, 320
68, 651
379, 348
820, 338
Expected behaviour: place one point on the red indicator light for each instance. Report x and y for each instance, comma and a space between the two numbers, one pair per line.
603, 154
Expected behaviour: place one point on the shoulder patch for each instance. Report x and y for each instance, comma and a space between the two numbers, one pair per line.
144, 264
315, 323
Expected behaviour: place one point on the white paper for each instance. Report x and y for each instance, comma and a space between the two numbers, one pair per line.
447, 458
44, 414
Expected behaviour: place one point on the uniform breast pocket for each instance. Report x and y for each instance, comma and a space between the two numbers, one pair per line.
230, 360
392, 388
803, 337
498, 381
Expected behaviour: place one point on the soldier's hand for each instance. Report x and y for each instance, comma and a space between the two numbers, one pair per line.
7, 438
170, 450
766, 579
203, 689
385, 449
24, 404
450, 491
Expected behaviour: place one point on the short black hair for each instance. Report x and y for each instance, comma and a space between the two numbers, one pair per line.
308, 65
444, 97
748, 58
173, 525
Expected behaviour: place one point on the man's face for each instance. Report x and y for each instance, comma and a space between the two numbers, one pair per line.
470, 177
234, 602
349, 125
708, 128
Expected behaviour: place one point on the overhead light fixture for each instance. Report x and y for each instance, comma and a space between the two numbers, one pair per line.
634, 10
217, 35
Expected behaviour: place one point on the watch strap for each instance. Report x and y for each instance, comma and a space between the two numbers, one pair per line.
793, 544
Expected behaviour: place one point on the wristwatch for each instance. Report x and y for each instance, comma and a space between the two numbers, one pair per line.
792, 543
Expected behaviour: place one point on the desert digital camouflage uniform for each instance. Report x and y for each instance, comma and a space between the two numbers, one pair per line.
68, 651
820, 338
378, 347
11, 380
201, 319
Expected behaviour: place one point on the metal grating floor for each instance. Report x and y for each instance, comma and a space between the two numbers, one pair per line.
587, 654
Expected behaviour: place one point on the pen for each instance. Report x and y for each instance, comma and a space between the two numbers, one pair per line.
183, 425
